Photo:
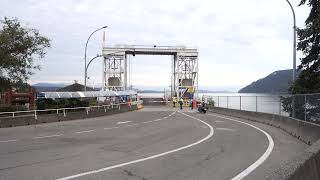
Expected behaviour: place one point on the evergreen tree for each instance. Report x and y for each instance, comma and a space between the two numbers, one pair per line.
309, 43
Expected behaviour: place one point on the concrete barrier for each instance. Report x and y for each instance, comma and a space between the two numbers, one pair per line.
306, 165
153, 101
306, 131
69, 115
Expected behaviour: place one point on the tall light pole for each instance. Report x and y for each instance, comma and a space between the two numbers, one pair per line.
86, 70
294, 69
97, 56
294, 42
85, 56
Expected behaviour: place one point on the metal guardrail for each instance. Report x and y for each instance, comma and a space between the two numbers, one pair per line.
305, 107
63, 111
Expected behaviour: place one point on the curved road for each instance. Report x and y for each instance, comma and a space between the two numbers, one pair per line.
154, 143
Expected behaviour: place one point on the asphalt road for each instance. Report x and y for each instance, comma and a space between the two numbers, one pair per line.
154, 143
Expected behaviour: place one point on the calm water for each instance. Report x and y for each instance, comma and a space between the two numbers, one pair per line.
251, 102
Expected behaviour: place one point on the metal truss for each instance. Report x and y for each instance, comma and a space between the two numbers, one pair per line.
114, 70
184, 76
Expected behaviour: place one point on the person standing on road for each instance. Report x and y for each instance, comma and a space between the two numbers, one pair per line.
174, 101
181, 102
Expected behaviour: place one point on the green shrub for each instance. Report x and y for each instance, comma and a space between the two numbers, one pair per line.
11, 108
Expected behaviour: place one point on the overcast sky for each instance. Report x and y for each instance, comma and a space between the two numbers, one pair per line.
239, 41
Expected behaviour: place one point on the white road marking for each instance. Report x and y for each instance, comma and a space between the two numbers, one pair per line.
147, 122
41, 137
219, 121
80, 132
12, 140
265, 155
112, 127
124, 122
133, 125
147, 158
225, 129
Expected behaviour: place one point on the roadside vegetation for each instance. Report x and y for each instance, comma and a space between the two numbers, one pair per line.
308, 80
20, 47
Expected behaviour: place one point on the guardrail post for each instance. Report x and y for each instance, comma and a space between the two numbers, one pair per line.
64, 112
305, 107
57, 111
280, 109
293, 106
35, 115
105, 110
218, 101
119, 106
240, 103
256, 103
227, 102
12, 114
87, 111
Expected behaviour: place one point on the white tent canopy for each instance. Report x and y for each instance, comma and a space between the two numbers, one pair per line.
85, 94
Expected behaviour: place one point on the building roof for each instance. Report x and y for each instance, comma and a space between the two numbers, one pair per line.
75, 87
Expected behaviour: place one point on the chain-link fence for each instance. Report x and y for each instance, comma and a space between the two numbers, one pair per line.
303, 106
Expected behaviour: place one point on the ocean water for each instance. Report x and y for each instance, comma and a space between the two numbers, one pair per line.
266, 103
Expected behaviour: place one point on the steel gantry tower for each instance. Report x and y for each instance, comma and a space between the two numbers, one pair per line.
184, 66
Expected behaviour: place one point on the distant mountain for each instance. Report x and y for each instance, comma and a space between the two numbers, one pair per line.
274, 83
45, 89
49, 85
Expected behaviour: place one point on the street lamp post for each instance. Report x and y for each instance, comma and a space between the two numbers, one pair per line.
294, 42
294, 69
85, 55
86, 70
97, 56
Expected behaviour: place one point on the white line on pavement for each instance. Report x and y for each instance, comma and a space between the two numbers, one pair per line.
12, 140
112, 127
147, 122
133, 125
256, 164
124, 122
147, 158
80, 132
219, 121
41, 137
225, 129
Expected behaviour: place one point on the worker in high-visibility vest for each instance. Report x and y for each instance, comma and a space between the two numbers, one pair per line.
191, 104
181, 103
174, 101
